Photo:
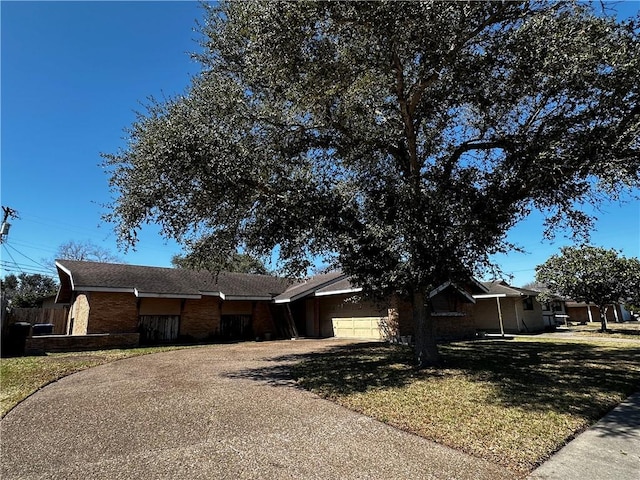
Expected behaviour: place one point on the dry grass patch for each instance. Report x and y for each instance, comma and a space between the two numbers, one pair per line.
23, 376
511, 402
629, 330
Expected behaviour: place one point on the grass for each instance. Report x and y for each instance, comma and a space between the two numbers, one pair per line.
511, 402
630, 330
23, 376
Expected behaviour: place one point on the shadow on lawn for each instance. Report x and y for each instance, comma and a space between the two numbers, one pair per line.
578, 378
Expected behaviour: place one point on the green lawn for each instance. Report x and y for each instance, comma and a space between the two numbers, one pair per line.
513, 402
22, 376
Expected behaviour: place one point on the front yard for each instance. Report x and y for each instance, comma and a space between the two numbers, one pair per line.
629, 330
513, 402
22, 376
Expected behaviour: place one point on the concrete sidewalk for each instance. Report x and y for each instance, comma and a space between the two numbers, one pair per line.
609, 449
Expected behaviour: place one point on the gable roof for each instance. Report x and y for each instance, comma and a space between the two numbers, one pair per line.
145, 281
500, 288
307, 287
343, 285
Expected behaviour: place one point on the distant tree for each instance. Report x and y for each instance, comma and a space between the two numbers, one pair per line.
24, 290
219, 261
593, 275
401, 140
632, 302
85, 251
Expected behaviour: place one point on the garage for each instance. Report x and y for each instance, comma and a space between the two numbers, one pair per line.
357, 327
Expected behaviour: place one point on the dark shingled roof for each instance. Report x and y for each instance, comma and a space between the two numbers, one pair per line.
309, 286
167, 281
339, 286
500, 287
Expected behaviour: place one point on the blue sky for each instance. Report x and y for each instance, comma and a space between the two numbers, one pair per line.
73, 73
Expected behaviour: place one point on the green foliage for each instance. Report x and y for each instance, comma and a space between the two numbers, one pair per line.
401, 140
25, 290
217, 261
632, 300
592, 274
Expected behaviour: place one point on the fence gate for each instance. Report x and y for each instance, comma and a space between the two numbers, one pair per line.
159, 328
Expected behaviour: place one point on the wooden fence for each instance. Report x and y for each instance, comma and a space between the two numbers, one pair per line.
55, 316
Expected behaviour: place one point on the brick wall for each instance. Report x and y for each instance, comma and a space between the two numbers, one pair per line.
76, 343
263, 320
456, 327
113, 313
446, 327
200, 319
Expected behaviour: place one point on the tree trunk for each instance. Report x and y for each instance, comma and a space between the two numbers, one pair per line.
426, 349
603, 317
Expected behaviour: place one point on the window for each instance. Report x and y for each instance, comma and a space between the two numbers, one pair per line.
527, 303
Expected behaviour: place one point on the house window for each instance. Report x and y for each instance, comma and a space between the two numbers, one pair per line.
527, 303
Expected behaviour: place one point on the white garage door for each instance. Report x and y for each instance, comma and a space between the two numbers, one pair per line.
362, 327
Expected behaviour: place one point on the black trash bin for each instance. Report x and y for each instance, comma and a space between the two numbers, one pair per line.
17, 339
42, 329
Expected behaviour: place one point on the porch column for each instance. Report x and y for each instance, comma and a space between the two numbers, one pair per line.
500, 316
589, 313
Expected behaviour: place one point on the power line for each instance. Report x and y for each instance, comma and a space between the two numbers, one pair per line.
33, 246
14, 260
17, 267
29, 258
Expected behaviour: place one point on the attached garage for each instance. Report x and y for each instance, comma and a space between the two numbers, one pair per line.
346, 316
357, 327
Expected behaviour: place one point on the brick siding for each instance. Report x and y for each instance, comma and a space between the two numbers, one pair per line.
76, 343
200, 319
112, 313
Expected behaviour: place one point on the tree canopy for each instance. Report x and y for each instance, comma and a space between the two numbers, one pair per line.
399, 140
25, 290
593, 275
218, 261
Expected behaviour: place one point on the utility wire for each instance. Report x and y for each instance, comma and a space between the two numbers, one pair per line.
13, 267
46, 267
14, 260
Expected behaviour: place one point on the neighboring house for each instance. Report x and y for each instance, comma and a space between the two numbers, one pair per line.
554, 312
581, 312
508, 309
167, 304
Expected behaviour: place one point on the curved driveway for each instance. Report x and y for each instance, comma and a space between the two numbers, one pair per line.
216, 412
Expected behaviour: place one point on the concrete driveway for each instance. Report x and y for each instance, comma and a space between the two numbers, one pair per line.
216, 412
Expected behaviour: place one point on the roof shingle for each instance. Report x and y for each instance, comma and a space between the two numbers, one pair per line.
169, 281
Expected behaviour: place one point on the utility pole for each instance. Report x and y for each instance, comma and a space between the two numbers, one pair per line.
4, 228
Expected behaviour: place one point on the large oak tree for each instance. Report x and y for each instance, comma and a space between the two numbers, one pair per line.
402, 140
